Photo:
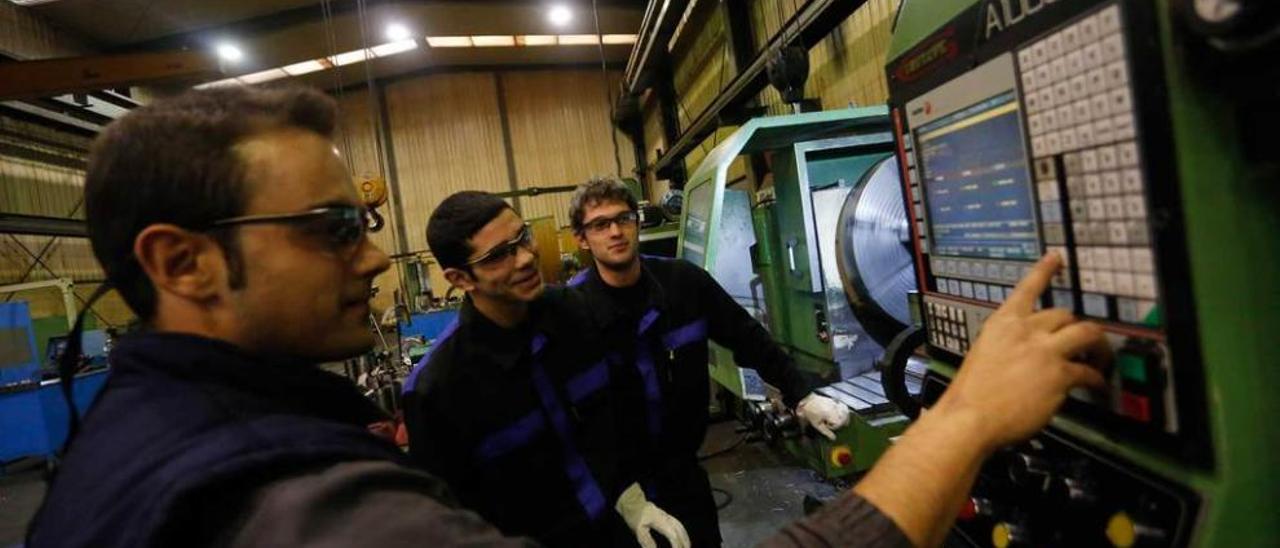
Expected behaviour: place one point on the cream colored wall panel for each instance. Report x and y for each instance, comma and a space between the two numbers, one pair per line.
560, 128
447, 136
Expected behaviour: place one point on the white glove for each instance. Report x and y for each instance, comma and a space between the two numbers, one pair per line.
823, 413
643, 517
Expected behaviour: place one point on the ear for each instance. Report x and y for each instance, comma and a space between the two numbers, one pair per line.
460, 279
180, 262
582, 241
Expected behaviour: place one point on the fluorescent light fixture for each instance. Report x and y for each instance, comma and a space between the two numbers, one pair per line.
560, 15
264, 76
579, 40
353, 56
392, 48
449, 41
536, 40
219, 83
230, 53
397, 32
32, 2
304, 67
619, 39
493, 41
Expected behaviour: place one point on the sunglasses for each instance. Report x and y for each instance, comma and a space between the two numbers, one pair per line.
505, 250
623, 220
342, 227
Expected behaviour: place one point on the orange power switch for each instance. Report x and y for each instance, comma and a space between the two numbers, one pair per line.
841, 456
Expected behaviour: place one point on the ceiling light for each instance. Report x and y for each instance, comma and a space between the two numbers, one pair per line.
536, 40
397, 32
264, 76
579, 40
230, 53
619, 39
353, 56
392, 48
560, 15
219, 83
304, 67
491, 41
449, 41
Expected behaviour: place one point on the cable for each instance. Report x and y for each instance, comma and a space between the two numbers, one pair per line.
718, 452
608, 96
326, 11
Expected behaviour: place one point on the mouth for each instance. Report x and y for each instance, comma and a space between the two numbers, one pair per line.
527, 281
618, 247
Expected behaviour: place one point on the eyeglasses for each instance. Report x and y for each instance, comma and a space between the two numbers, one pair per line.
342, 226
623, 220
505, 250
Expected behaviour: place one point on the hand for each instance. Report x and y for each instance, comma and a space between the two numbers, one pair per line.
643, 517
823, 413
1024, 362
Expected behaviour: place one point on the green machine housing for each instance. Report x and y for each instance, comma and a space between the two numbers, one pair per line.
1124, 136
787, 259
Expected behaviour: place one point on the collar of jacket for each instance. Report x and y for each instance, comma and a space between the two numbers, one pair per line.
603, 312
487, 341
239, 379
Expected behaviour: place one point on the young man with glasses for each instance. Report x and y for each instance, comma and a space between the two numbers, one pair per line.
661, 313
511, 405
229, 225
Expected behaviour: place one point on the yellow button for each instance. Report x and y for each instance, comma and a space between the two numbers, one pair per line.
1000, 536
841, 456
1120, 530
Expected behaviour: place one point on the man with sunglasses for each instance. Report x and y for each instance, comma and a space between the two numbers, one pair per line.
228, 223
510, 406
661, 313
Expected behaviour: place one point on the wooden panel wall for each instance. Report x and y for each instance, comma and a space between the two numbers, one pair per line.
355, 138
26, 35
560, 134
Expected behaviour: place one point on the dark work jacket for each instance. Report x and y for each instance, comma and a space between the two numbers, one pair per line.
185, 429
519, 424
662, 377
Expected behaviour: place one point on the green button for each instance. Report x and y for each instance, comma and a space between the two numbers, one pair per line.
1132, 367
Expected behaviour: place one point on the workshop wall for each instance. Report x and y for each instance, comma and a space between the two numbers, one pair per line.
29, 36
559, 125
42, 173
846, 67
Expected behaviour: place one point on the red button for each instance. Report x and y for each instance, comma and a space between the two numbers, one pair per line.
968, 511
1135, 406
845, 459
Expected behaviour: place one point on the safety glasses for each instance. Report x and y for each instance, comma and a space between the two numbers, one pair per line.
624, 219
342, 227
505, 250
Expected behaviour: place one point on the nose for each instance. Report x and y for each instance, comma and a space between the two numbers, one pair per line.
526, 255
372, 260
615, 228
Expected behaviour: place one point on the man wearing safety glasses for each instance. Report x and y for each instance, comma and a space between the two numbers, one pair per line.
511, 406
230, 226
661, 314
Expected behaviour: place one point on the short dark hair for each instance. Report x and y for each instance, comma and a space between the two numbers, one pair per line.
456, 220
173, 161
595, 191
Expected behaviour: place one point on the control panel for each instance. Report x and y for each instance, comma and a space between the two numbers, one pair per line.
1052, 490
1036, 138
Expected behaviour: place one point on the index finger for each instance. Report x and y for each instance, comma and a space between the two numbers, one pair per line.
1023, 298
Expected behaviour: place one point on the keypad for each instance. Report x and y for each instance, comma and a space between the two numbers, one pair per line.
1080, 112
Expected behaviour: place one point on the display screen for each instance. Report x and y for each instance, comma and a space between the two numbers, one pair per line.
977, 184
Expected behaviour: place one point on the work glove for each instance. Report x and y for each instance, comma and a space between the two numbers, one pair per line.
643, 518
822, 413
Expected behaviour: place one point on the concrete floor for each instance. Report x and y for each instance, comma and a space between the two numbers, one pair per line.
767, 491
